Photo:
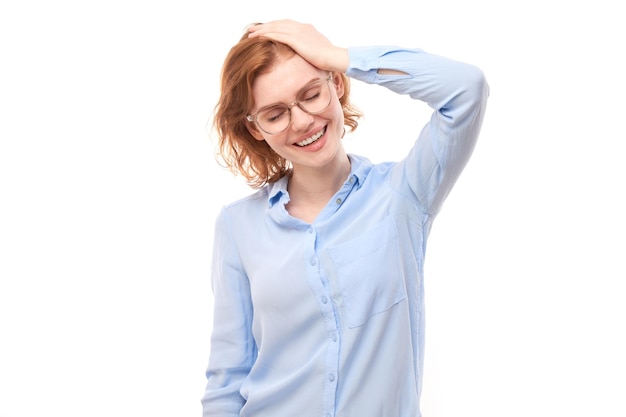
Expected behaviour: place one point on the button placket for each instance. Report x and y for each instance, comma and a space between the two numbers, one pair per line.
317, 275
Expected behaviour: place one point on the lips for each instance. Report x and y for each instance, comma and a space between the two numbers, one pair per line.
312, 139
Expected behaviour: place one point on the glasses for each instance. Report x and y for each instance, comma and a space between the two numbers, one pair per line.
312, 99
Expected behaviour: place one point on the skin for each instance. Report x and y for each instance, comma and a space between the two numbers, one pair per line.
319, 169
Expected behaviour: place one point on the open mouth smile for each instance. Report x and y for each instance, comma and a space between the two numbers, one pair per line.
312, 139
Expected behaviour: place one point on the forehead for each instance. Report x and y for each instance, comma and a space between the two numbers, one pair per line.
283, 80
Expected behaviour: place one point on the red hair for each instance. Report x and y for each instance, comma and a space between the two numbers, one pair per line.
238, 149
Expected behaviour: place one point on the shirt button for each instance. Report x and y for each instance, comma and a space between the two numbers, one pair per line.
312, 262
338, 201
334, 338
331, 377
310, 230
324, 299
351, 180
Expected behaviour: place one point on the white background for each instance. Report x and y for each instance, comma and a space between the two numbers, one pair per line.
109, 190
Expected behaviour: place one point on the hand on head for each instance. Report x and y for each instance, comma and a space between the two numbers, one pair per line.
306, 41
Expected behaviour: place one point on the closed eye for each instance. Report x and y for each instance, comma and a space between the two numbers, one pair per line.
273, 114
311, 94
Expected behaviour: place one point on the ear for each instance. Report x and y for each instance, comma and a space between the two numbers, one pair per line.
254, 131
338, 83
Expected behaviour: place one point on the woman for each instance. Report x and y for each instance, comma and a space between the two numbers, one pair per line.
318, 275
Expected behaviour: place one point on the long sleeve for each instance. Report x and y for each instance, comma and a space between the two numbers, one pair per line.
338, 323
458, 94
233, 350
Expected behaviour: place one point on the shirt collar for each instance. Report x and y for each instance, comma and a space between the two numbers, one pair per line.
277, 190
359, 168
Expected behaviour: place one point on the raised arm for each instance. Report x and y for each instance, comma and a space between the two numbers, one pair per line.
456, 91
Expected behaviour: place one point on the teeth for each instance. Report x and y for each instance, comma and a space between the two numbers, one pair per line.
312, 139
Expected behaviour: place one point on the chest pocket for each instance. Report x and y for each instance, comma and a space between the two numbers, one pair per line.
368, 273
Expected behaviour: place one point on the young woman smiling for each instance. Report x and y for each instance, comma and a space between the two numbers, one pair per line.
318, 275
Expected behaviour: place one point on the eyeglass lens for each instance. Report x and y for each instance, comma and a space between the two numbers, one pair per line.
313, 99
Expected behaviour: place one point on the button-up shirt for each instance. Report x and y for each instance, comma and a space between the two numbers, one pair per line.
327, 318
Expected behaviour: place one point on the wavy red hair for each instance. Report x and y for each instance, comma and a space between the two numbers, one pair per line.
237, 149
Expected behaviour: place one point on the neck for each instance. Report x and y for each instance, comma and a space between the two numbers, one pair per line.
317, 185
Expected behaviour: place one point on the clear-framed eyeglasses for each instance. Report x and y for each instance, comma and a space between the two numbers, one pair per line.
314, 98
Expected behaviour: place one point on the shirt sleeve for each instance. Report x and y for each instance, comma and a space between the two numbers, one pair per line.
233, 350
457, 92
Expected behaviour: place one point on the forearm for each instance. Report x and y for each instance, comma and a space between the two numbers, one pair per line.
445, 84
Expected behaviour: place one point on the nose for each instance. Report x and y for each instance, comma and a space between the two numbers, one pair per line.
300, 120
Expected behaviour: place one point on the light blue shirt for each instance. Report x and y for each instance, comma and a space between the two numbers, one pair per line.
327, 319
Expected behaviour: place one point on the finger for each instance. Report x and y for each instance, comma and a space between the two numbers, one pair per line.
278, 29
254, 27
